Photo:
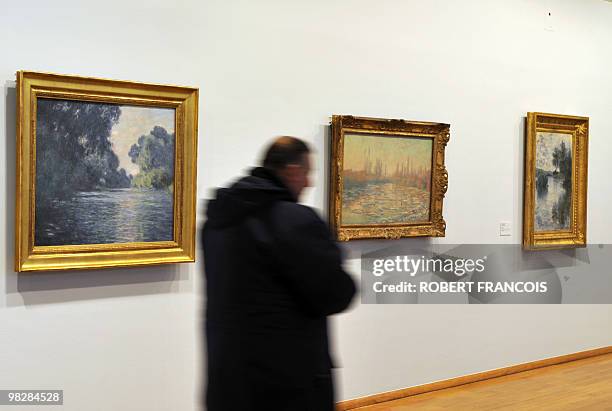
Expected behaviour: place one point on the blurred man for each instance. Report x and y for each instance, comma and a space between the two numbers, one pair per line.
273, 275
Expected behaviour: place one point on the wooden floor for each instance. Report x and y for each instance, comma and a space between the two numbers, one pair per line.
584, 385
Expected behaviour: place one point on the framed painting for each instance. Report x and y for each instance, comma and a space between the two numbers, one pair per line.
555, 188
388, 178
106, 173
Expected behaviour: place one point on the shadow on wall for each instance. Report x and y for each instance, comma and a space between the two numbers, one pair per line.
57, 287
321, 161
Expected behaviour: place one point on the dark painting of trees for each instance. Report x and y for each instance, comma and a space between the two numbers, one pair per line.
84, 194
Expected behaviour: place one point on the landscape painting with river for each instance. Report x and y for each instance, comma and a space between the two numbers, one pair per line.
553, 183
104, 173
386, 179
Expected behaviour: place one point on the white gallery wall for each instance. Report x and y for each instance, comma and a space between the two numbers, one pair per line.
130, 339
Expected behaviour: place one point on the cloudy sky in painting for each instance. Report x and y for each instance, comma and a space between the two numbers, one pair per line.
546, 144
135, 122
391, 150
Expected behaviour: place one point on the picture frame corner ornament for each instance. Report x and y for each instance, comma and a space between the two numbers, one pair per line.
445, 135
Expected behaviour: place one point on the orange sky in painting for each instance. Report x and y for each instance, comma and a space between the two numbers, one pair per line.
393, 151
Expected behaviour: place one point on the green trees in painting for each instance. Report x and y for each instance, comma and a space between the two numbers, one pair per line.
563, 158
562, 161
73, 150
154, 154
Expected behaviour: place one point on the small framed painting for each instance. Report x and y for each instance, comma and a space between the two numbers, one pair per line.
106, 173
555, 188
388, 178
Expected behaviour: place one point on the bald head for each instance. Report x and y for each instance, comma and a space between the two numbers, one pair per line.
283, 151
288, 158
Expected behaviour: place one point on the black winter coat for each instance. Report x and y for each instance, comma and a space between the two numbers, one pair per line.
273, 275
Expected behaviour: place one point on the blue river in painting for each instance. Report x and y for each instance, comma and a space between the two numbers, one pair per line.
106, 217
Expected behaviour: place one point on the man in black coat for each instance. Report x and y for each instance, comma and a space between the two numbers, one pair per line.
273, 275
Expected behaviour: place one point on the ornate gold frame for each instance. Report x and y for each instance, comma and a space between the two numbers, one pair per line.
28, 257
578, 127
438, 132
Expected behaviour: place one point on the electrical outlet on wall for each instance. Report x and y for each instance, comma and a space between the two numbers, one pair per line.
505, 229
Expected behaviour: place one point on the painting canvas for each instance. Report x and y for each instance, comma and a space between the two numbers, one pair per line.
556, 158
386, 179
553, 181
104, 173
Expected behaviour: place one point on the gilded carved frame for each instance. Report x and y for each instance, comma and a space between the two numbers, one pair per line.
438, 132
578, 128
184, 100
